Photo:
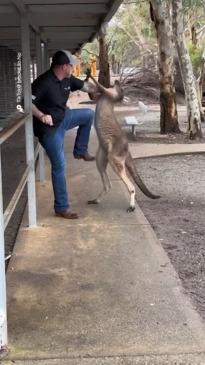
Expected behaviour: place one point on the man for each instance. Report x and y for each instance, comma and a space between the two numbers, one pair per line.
51, 119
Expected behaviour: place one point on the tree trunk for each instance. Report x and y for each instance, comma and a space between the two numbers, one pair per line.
193, 112
194, 39
200, 89
104, 68
160, 14
199, 96
194, 36
114, 65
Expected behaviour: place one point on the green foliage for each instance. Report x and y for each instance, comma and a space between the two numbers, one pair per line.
194, 12
89, 50
190, 3
196, 58
131, 34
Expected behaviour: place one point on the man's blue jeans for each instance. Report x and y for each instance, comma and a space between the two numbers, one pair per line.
54, 145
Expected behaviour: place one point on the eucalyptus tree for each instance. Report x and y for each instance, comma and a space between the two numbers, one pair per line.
160, 12
189, 81
104, 66
194, 23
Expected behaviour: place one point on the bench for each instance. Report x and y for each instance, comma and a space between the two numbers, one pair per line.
132, 122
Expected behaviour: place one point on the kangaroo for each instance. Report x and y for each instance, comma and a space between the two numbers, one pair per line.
113, 146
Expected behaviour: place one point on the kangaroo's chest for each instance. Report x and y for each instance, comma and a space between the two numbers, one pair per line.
106, 124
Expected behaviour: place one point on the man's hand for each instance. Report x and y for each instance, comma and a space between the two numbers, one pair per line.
46, 119
89, 87
88, 73
92, 90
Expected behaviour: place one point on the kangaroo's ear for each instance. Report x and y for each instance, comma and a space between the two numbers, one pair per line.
117, 83
118, 86
119, 90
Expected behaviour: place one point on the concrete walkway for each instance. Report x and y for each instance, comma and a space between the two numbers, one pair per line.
99, 290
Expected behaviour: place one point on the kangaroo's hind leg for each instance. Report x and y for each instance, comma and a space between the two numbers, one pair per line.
101, 162
118, 165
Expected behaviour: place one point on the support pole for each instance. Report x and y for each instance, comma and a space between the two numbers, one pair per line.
40, 68
25, 39
43, 57
33, 68
47, 65
3, 315
38, 54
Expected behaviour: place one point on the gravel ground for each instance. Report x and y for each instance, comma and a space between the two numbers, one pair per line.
178, 216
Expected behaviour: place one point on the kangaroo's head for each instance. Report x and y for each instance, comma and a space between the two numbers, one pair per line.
119, 91
114, 93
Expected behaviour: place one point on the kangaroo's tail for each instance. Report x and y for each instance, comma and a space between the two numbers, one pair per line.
137, 179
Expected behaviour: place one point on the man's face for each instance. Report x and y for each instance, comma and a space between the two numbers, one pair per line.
68, 70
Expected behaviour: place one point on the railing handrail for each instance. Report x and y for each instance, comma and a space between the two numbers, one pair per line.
17, 120
15, 198
17, 194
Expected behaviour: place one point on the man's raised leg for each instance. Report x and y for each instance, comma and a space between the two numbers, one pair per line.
83, 119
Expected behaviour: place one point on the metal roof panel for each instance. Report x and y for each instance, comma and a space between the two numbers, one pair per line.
68, 23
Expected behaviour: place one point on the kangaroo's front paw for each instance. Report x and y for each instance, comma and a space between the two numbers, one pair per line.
130, 209
94, 201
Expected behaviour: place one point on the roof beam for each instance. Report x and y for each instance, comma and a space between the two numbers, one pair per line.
61, 2
7, 33
20, 6
67, 36
68, 28
63, 20
13, 20
14, 33
71, 9
59, 20
113, 8
63, 44
23, 9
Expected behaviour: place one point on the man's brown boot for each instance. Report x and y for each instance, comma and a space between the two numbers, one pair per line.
67, 214
86, 157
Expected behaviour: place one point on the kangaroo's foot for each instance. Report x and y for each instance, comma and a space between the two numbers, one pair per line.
94, 201
130, 209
